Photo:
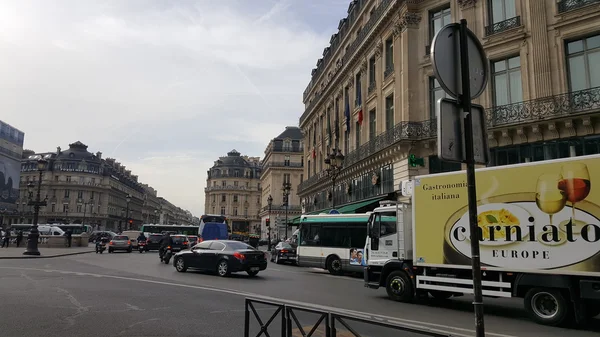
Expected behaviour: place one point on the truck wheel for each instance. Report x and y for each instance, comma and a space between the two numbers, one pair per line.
440, 295
399, 287
547, 306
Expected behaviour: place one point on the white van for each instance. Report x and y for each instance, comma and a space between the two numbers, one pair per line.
50, 230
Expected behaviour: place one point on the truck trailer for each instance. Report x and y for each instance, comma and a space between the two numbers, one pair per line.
538, 230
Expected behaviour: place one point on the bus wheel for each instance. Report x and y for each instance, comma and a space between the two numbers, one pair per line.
334, 265
399, 287
547, 306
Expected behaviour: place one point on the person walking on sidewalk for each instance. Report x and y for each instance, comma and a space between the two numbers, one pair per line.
69, 235
19, 238
5, 238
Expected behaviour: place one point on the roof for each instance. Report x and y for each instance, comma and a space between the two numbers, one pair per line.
291, 132
78, 151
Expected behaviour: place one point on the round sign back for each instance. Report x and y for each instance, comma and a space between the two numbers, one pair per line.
445, 58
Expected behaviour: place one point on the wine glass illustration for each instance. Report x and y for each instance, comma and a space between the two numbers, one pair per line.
576, 186
548, 197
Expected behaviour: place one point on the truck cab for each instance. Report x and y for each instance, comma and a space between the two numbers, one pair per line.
389, 242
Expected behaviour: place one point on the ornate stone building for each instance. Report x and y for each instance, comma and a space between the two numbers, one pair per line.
375, 86
233, 189
83, 188
282, 165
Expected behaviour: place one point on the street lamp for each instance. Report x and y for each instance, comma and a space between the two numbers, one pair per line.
34, 234
155, 215
270, 203
287, 187
128, 199
335, 160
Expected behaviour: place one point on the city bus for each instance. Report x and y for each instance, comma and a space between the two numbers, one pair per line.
175, 229
213, 227
334, 242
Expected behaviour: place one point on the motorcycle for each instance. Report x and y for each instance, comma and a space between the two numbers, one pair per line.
142, 246
166, 256
100, 247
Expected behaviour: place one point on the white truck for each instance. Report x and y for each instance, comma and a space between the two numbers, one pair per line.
539, 233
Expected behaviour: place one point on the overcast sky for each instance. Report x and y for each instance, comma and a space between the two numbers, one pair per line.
163, 86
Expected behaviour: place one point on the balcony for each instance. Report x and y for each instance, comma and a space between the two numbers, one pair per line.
389, 69
411, 131
569, 5
371, 88
502, 26
544, 108
230, 188
282, 165
279, 208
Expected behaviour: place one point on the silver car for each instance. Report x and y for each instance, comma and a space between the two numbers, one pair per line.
120, 242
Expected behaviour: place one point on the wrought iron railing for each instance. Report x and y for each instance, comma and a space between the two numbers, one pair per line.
372, 87
389, 69
501, 26
282, 208
281, 164
284, 322
569, 5
364, 33
544, 108
401, 131
229, 188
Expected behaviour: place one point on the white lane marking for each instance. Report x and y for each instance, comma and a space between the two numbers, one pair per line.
318, 272
415, 323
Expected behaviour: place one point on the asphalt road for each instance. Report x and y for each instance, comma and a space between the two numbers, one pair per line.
135, 295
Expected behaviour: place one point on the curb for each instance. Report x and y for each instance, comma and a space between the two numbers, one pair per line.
43, 256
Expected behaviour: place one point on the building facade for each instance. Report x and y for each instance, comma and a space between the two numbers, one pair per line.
233, 189
81, 187
373, 94
282, 166
11, 149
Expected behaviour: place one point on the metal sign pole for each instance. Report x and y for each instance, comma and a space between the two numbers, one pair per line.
465, 101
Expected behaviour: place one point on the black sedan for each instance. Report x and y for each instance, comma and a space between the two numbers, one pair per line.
283, 252
222, 256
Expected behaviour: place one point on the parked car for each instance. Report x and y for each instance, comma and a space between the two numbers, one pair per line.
223, 257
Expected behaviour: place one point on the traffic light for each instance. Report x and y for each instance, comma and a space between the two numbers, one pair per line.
415, 161
131, 221
268, 221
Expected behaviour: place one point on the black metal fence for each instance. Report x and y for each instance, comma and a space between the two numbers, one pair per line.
282, 320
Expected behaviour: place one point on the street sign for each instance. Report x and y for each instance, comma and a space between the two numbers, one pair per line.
445, 58
451, 139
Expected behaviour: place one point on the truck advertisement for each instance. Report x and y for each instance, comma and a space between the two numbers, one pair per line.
539, 216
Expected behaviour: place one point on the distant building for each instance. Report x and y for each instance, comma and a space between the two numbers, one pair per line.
11, 149
81, 187
283, 163
233, 189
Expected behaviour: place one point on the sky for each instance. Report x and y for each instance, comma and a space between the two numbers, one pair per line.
163, 86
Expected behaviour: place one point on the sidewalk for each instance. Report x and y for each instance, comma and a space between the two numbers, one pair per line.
13, 252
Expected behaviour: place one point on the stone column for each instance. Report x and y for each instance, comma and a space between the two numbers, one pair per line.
468, 13
407, 30
540, 49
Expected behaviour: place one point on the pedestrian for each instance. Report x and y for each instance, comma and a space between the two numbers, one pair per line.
69, 235
6, 239
19, 238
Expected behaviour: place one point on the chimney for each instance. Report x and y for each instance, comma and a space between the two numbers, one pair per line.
99, 155
58, 150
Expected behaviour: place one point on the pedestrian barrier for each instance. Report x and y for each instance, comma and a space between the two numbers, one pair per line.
284, 322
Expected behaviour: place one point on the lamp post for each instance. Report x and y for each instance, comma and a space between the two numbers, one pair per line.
287, 187
34, 234
335, 160
155, 215
270, 203
128, 199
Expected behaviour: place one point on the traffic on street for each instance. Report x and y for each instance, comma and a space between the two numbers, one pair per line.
136, 295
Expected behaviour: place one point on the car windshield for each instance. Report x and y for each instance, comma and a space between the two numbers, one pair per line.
121, 237
155, 237
178, 239
286, 246
238, 246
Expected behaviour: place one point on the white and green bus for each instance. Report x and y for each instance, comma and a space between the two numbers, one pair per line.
334, 242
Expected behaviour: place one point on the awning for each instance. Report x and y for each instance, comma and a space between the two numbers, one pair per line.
361, 206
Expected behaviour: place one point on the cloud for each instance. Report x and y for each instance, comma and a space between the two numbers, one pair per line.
166, 87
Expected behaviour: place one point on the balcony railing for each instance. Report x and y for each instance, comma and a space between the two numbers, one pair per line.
372, 87
229, 188
401, 131
569, 5
281, 164
389, 69
544, 108
277, 208
501, 26
364, 33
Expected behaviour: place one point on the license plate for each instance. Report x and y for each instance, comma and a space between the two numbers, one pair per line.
254, 269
